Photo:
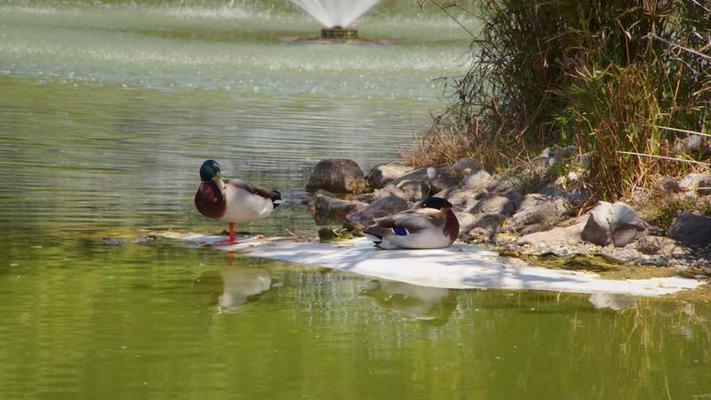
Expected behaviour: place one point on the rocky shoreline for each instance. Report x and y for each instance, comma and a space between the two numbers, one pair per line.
536, 216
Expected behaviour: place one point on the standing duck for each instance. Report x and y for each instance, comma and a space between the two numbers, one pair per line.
232, 200
431, 227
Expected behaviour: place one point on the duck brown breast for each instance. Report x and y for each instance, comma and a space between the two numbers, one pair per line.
210, 200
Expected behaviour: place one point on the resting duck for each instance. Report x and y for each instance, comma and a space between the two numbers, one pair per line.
232, 200
432, 227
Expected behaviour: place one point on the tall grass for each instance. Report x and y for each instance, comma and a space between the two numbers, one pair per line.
603, 75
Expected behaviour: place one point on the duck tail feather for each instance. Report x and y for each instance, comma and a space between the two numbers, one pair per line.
375, 234
276, 198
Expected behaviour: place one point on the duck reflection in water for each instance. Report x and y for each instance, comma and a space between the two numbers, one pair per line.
434, 305
232, 287
615, 302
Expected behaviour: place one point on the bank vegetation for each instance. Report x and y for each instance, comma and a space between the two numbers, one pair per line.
627, 82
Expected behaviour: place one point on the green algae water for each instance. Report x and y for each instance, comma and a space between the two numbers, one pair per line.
107, 111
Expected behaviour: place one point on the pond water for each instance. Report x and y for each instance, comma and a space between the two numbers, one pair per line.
106, 113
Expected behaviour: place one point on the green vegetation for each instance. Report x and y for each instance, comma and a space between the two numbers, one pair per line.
606, 76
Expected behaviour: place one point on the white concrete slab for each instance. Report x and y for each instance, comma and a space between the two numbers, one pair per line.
459, 266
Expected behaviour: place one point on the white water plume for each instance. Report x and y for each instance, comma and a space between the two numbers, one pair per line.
332, 13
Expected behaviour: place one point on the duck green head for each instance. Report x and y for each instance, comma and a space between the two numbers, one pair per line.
209, 170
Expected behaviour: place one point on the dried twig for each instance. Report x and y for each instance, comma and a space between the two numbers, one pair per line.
681, 130
664, 157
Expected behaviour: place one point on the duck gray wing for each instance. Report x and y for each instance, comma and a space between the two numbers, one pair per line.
406, 222
251, 188
260, 191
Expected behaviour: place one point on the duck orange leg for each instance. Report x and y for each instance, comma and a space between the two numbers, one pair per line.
231, 238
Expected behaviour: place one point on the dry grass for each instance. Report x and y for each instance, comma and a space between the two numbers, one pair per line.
437, 146
603, 75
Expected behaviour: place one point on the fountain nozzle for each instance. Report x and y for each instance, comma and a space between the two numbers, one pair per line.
339, 33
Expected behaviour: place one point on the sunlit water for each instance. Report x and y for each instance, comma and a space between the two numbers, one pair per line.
106, 113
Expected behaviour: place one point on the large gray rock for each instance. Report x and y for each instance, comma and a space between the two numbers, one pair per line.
504, 183
383, 174
380, 207
538, 212
466, 221
693, 144
661, 245
409, 190
337, 176
616, 224
669, 185
568, 235
476, 181
444, 178
468, 192
327, 210
480, 228
492, 203
692, 230
576, 195
465, 165
461, 199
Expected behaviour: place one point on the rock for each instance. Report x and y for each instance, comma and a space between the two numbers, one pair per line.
482, 229
550, 156
669, 185
692, 230
491, 203
383, 174
693, 144
705, 201
466, 221
465, 165
696, 183
619, 255
380, 207
516, 197
661, 245
444, 178
539, 212
109, 241
476, 181
409, 190
461, 199
337, 176
576, 194
326, 209
565, 152
615, 223
469, 191
584, 160
365, 197
504, 183
568, 235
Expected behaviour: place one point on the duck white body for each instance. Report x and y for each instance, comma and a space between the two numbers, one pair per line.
241, 205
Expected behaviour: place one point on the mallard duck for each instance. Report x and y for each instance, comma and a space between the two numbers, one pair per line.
431, 227
232, 200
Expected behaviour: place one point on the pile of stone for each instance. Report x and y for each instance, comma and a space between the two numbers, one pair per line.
533, 214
